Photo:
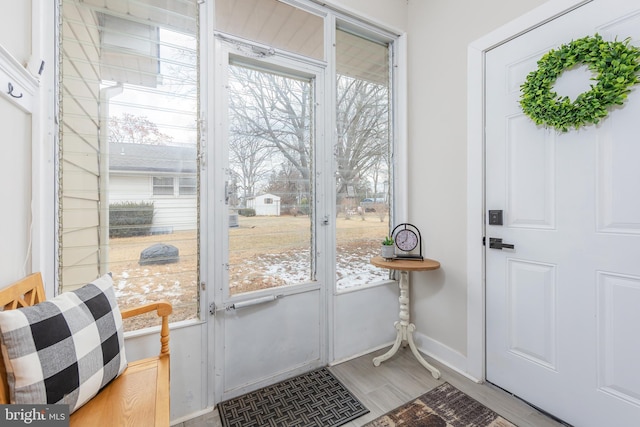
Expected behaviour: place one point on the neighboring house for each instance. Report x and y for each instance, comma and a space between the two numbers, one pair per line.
265, 204
150, 173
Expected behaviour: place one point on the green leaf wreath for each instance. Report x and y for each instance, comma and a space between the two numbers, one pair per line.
615, 64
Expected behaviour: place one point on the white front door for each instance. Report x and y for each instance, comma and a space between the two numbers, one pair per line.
563, 306
271, 292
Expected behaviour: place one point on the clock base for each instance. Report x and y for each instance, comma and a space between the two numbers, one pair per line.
410, 257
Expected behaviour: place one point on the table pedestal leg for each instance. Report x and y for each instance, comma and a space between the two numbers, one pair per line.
405, 330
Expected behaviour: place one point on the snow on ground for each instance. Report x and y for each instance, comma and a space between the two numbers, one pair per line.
177, 282
353, 269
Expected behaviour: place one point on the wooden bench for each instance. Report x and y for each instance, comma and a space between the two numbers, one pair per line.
138, 397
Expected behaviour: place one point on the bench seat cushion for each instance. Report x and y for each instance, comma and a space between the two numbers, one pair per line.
66, 349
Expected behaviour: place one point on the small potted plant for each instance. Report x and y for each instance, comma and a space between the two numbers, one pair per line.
387, 250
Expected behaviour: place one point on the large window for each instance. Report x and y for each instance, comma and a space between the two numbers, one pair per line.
362, 154
128, 150
129, 153
271, 179
266, 160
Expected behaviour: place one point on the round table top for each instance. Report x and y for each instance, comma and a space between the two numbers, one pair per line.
406, 265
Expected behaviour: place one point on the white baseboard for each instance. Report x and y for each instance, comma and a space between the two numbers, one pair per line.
362, 353
192, 415
443, 354
434, 349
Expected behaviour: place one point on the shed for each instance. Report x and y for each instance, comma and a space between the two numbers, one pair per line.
265, 204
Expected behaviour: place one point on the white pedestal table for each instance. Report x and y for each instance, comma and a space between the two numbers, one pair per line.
404, 327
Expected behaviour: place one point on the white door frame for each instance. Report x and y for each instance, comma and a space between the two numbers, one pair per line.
475, 170
225, 48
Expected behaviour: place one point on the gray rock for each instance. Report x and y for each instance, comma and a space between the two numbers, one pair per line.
160, 253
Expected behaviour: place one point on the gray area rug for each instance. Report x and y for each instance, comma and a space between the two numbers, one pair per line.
313, 399
444, 406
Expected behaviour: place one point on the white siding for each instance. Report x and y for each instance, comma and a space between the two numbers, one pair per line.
80, 147
129, 188
175, 213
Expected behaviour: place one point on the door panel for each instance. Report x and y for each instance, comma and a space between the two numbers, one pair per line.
530, 176
531, 290
618, 316
618, 207
562, 304
267, 339
270, 302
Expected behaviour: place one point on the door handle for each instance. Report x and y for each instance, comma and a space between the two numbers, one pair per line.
495, 243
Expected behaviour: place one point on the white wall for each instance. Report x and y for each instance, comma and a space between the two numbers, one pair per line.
15, 31
364, 320
391, 13
15, 156
439, 32
15, 193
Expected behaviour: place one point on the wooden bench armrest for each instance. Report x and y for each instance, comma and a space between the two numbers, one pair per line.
163, 309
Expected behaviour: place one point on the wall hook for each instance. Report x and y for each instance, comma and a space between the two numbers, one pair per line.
11, 91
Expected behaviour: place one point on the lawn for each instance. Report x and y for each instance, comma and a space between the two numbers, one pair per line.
264, 252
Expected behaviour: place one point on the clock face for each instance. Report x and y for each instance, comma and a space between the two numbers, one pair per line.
406, 240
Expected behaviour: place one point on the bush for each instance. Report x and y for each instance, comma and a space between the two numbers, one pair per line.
127, 219
247, 212
303, 209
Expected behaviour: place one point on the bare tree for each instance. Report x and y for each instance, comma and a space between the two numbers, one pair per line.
248, 161
363, 132
275, 110
132, 129
288, 184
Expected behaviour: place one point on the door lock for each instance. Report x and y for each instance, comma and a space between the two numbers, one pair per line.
495, 243
495, 217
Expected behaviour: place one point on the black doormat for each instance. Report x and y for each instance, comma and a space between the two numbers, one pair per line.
313, 399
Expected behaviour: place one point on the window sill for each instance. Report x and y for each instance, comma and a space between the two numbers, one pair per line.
156, 329
338, 292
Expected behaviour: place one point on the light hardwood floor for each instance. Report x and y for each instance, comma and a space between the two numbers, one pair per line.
401, 379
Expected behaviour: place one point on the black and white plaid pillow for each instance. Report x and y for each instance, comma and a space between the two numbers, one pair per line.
66, 349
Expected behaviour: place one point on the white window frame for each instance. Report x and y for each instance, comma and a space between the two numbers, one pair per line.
192, 187
155, 186
399, 158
